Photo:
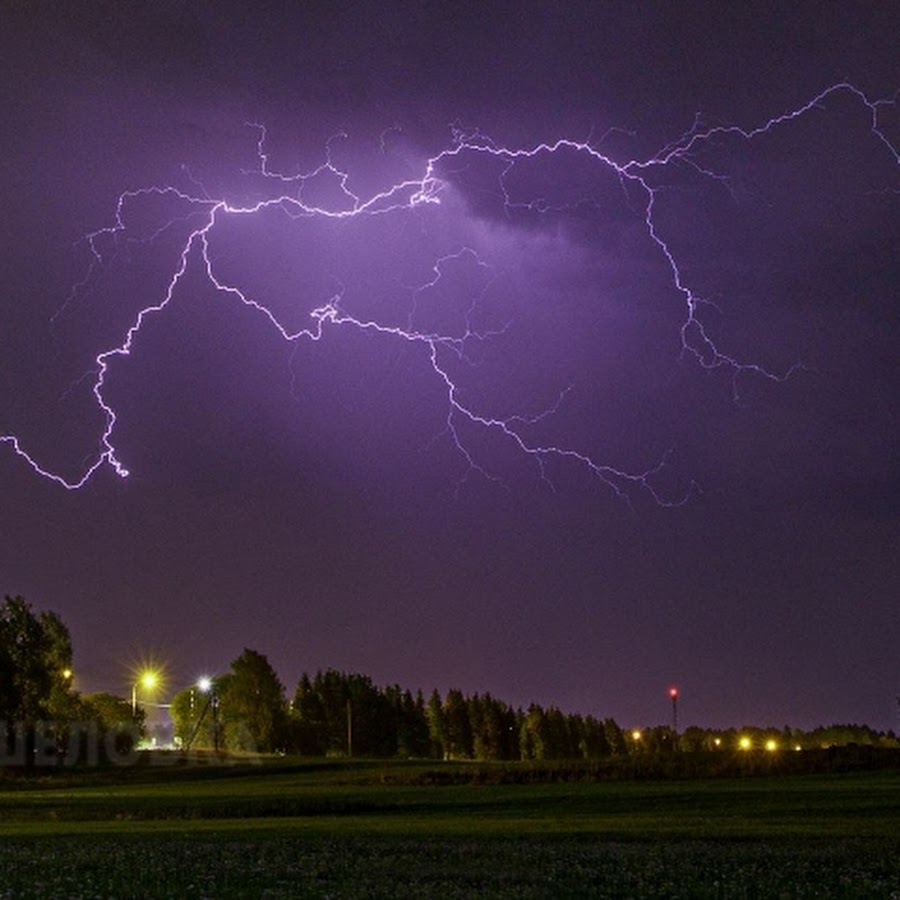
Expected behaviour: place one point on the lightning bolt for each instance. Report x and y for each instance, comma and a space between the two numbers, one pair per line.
293, 196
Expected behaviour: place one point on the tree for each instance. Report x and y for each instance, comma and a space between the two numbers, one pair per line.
252, 707
556, 736
412, 726
458, 730
118, 727
615, 738
437, 727
372, 717
328, 705
695, 740
35, 671
35, 660
308, 719
533, 734
494, 731
594, 742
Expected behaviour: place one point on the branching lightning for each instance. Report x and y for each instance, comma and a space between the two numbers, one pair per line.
289, 195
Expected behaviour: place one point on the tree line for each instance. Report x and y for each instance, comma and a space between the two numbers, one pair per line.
331, 713
335, 713
39, 710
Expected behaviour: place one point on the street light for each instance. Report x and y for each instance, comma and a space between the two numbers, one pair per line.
207, 686
148, 681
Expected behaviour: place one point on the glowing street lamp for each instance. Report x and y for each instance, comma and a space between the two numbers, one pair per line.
745, 743
207, 686
148, 681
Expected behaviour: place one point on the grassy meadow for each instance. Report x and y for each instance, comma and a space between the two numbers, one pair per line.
297, 828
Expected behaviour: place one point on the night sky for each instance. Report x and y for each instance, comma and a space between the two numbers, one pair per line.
323, 501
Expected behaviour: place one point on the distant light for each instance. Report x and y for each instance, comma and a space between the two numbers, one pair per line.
636, 734
673, 692
797, 747
149, 680
67, 674
717, 742
205, 684
745, 743
771, 745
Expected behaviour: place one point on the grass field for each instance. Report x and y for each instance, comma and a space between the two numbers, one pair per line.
289, 828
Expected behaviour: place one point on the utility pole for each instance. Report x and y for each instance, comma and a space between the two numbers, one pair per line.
349, 729
214, 701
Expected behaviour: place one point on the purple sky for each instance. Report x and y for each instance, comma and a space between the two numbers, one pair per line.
307, 499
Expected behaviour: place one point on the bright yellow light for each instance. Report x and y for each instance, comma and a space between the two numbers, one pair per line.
147, 679
745, 743
717, 742
636, 734
771, 745
67, 674
204, 684
797, 747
